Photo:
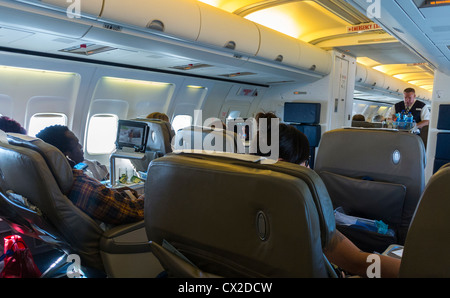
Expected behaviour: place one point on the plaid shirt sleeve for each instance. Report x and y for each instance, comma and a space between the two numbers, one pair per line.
112, 206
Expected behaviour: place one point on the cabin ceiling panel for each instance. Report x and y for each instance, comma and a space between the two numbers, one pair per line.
423, 29
321, 22
325, 23
384, 53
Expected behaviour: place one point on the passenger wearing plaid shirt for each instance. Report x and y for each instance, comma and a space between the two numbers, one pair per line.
111, 206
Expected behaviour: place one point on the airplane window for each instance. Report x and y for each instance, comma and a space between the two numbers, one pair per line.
41, 121
101, 134
181, 121
234, 114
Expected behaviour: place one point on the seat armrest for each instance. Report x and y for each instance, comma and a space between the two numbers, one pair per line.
125, 239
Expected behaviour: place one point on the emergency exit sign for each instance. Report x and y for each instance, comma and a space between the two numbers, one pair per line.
363, 27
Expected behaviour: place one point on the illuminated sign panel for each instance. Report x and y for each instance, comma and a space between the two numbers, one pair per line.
363, 27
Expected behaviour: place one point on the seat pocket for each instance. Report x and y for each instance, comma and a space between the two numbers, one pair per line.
366, 198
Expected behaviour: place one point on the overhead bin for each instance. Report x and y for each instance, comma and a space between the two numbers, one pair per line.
33, 16
226, 30
188, 30
371, 79
394, 85
174, 17
291, 51
278, 47
91, 7
361, 73
374, 78
314, 58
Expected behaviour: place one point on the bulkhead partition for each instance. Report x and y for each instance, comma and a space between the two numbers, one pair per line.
442, 155
305, 116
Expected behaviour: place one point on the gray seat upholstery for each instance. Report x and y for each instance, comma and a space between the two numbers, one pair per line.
233, 216
356, 123
27, 173
158, 143
374, 174
206, 138
426, 249
40, 173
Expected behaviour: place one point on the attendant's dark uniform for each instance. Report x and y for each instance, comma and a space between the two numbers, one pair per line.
415, 110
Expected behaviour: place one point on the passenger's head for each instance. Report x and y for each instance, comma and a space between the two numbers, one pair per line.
409, 96
158, 115
10, 125
378, 118
65, 140
293, 144
268, 115
358, 117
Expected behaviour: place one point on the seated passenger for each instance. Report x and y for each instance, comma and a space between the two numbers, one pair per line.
294, 148
158, 115
358, 117
111, 206
10, 125
62, 138
378, 118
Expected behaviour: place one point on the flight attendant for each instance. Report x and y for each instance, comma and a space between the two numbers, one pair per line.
417, 108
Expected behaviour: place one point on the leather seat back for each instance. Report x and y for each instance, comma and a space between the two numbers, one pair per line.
239, 218
374, 174
40, 173
426, 248
158, 143
206, 138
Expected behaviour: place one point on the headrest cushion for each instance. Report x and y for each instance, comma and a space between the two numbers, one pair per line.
54, 158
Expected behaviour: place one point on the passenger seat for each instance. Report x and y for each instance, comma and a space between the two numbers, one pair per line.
234, 215
40, 173
426, 248
208, 139
373, 174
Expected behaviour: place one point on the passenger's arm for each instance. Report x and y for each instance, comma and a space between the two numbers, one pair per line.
116, 207
103, 203
425, 116
344, 254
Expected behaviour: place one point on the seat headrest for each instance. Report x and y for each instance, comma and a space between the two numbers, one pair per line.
382, 152
160, 135
158, 143
356, 123
55, 159
206, 138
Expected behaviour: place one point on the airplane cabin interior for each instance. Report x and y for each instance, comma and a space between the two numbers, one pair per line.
212, 207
